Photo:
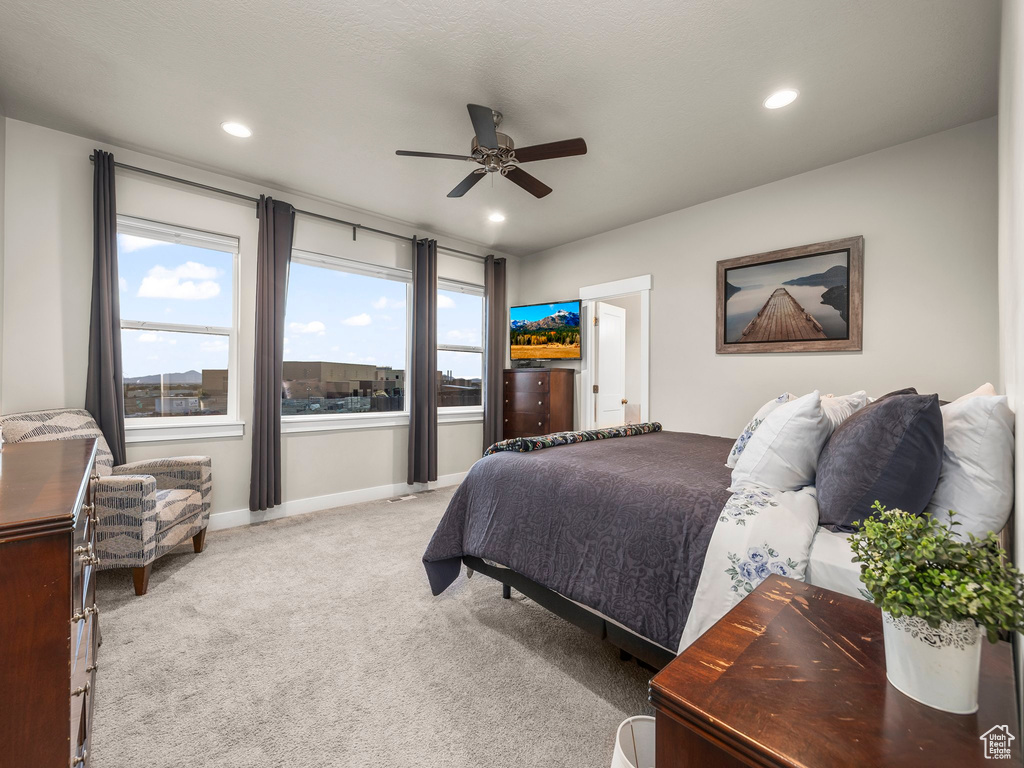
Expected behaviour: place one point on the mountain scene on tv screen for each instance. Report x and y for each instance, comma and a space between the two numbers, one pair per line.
545, 331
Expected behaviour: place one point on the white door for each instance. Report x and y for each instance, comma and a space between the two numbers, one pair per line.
611, 365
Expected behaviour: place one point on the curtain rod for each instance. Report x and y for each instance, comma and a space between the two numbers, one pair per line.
238, 195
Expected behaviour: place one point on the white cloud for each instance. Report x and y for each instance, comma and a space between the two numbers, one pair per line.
214, 345
335, 349
129, 243
466, 336
363, 319
180, 282
385, 303
314, 326
445, 302
147, 338
122, 284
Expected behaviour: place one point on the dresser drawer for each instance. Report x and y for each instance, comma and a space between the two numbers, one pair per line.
521, 381
527, 402
525, 424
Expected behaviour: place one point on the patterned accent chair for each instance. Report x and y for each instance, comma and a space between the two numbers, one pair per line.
144, 508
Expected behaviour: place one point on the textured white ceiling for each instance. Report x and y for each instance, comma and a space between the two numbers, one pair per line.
667, 93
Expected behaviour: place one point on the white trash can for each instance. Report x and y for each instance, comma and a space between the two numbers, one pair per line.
634, 743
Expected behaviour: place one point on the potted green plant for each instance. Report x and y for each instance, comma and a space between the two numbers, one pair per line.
938, 593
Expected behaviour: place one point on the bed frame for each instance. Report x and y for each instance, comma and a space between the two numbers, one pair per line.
629, 644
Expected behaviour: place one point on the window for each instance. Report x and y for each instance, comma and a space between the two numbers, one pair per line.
346, 337
177, 295
460, 346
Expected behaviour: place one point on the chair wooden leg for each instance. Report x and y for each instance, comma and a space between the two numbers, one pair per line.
141, 578
199, 541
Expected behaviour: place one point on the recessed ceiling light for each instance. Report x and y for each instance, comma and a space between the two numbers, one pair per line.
781, 98
496, 217
236, 129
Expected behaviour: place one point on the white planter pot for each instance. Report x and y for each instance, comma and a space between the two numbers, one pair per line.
634, 743
938, 667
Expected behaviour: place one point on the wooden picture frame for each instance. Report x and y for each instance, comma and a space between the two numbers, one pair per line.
768, 318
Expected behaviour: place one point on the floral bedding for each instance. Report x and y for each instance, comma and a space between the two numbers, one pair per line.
760, 532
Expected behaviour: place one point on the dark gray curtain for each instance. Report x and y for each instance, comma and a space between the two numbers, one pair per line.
104, 393
496, 331
422, 389
273, 255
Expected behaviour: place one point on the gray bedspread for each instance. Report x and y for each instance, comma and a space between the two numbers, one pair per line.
621, 526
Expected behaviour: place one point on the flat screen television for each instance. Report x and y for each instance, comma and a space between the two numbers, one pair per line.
548, 331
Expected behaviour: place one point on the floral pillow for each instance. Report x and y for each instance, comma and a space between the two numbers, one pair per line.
753, 424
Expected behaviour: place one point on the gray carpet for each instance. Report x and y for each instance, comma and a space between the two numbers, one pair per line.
314, 641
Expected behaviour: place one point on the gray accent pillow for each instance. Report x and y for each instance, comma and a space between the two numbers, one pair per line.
889, 451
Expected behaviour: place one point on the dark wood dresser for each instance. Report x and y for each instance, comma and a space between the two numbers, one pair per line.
48, 616
538, 401
794, 677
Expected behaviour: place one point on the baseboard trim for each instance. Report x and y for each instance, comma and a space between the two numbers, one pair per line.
238, 517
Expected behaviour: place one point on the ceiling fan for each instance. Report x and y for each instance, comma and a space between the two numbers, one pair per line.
495, 152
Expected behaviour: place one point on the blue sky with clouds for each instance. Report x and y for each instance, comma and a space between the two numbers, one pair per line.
331, 315
540, 311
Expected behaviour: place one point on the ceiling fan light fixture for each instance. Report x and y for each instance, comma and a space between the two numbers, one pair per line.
496, 217
782, 98
236, 129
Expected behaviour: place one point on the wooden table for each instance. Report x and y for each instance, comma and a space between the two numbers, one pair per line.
794, 676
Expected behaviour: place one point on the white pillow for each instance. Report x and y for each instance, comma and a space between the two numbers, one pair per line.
839, 409
976, 479
783, 452
753, 424
985, 390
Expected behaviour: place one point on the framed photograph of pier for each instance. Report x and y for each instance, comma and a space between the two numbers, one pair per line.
803, 299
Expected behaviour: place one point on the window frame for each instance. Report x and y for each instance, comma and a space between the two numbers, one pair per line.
298, 423
189, 427
455, 413
292, 423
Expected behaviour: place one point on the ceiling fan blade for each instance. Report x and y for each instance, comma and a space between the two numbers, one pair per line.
483, 125
555, 149
532, 185
466, 184
407, 153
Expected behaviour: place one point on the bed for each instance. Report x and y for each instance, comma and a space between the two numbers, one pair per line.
610, 534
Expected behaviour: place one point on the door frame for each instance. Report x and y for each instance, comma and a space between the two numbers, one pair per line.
589, 294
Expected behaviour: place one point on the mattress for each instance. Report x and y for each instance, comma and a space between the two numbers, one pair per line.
831, 566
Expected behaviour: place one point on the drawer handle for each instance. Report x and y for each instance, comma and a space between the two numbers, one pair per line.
540, 383
540, 402
80, 759
83, 615
538, 423
506, 421
89, 560
506, 401
93, 667
81, 691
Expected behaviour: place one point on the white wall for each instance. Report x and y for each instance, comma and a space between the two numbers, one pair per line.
927, 210
1011, 257
48, 265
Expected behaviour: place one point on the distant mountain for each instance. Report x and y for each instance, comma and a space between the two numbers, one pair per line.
837, 297
188, 377
560, 319
830, 278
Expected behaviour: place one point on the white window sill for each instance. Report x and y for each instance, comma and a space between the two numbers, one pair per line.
337, 422
171, 429
459, 415
341, 422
